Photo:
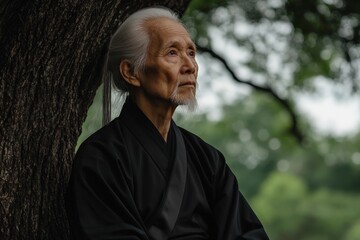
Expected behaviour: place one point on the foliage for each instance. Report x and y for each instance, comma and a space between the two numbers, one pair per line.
308, 38
354, 232
291, 212
279, 205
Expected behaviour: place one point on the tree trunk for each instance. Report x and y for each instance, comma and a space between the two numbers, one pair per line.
50, 65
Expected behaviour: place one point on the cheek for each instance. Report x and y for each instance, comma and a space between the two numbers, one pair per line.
152, 75
150, 71
172, 74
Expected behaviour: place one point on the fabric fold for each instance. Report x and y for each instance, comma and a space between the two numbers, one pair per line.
165, 222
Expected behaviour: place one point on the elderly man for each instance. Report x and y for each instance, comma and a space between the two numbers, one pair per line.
141, 176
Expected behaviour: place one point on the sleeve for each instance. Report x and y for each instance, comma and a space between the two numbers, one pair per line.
100, 204
234, 218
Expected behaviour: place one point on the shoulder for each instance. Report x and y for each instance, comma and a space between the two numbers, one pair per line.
197, 141
104, 155
105, 133
202, 150
105, 144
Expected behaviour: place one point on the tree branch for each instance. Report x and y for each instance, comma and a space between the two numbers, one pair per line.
294, 128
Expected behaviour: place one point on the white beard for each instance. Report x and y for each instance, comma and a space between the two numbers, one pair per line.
189, 102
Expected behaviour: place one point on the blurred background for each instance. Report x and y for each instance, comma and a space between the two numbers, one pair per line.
278, 94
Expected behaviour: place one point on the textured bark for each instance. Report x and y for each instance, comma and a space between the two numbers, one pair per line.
50, 63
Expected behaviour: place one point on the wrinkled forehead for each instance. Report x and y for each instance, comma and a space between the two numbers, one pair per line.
164, 29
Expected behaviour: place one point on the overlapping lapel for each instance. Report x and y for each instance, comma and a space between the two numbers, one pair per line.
169, 212
146, 134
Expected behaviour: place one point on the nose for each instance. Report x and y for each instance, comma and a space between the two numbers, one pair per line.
189, 65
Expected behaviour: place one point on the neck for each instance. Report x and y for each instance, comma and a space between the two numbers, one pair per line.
158, 112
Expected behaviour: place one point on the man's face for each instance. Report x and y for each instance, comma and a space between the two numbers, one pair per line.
170, 68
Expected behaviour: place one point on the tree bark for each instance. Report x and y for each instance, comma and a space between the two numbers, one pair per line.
50, 65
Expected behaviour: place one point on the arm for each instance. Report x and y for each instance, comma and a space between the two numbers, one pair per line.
234, 218
100, 203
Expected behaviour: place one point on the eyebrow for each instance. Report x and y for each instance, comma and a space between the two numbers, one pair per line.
177, 43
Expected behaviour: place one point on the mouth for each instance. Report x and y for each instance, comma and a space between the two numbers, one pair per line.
188, 84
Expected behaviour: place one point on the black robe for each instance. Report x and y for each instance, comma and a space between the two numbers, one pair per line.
128, 183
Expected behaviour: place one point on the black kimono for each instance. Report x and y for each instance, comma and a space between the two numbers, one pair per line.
128, 183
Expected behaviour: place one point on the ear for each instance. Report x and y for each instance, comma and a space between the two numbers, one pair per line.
127, 71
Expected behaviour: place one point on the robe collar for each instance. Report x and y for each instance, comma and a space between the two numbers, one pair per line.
148, 136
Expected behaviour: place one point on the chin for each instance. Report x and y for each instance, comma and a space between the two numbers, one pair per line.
189, 102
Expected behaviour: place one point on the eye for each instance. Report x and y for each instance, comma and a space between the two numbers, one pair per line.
192, 53
173, 52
